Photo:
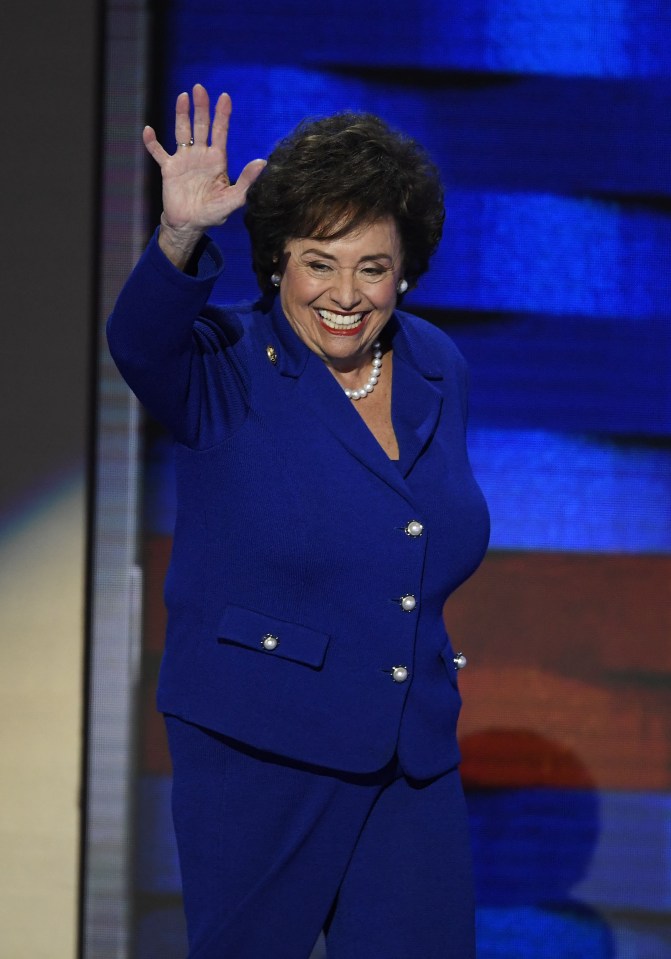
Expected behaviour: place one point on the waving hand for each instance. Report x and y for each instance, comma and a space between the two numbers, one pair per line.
197, 192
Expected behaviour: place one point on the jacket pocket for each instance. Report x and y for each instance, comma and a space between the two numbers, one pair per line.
272, 637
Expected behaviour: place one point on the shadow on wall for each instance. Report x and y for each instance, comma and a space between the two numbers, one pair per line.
532, 845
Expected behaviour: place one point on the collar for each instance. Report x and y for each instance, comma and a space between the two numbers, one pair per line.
292, 353
416, 402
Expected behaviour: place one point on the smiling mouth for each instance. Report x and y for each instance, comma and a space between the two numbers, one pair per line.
344, 324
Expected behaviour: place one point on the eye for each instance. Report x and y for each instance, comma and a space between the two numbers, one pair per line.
316, 266
374, 272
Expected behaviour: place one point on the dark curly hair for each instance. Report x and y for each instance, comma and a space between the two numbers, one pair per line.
339, 173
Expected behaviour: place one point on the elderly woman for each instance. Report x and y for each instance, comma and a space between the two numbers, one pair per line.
326, 509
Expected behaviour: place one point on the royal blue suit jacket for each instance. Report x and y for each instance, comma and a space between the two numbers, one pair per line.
292, 524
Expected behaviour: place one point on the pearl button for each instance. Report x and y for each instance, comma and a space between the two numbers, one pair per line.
460, 660
270, 642
414, 528
408, 603
399, 674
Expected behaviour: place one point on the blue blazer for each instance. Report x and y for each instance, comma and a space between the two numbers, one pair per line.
293, 547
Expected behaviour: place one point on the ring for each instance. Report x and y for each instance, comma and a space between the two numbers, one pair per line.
189, 144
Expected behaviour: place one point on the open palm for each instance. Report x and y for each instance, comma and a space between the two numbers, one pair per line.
197, 192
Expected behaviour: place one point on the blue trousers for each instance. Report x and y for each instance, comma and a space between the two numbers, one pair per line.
272, 852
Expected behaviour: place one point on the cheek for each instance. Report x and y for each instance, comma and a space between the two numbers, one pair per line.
384, 300
303, 292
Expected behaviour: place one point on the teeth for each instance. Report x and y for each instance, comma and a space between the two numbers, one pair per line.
338, 321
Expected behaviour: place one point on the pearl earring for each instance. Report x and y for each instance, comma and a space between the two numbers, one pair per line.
275, 279
402, 286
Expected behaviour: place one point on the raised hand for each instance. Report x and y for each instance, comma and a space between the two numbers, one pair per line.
197, 192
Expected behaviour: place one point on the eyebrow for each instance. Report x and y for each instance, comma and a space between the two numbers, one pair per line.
330, 256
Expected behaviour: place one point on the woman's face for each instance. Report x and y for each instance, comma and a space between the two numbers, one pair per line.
339, 294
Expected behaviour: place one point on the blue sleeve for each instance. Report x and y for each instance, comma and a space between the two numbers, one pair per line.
175, 353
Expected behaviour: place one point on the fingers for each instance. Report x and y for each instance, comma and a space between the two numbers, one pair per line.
222, 116
201, 115
182, 119
198, 134
153, 147
184, 133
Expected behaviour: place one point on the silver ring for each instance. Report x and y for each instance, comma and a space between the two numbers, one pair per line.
189, 144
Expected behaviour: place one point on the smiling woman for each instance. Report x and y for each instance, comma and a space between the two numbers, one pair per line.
348, 212
296, 679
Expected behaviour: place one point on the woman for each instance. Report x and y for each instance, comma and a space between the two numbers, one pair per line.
326, 508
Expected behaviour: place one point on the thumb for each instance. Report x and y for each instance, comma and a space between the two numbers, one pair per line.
249, 174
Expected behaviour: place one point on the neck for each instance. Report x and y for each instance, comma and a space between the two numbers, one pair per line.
348, 373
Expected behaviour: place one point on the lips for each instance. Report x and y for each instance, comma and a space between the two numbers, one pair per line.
342, 324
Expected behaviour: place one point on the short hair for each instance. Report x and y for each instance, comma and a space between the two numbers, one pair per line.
339, 173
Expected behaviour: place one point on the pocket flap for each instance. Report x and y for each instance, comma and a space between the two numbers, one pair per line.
273, 637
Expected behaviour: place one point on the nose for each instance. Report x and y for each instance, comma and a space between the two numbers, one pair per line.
344, 291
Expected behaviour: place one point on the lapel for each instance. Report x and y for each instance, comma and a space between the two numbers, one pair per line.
416, 401
416, 404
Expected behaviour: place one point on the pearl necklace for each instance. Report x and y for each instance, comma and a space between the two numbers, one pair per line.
371, 382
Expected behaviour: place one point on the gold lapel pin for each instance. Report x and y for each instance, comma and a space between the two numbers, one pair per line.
271, 353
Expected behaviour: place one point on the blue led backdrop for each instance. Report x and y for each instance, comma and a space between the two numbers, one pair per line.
552, 125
